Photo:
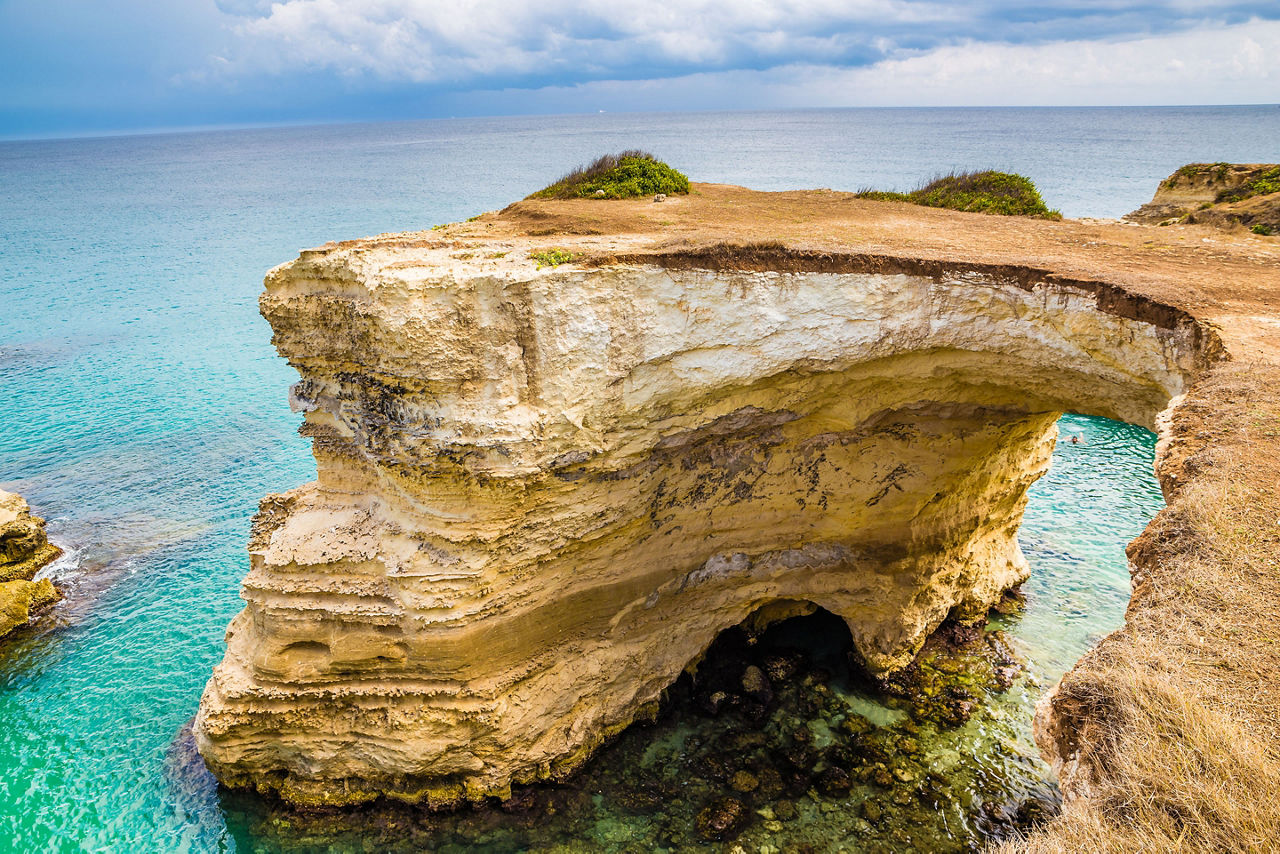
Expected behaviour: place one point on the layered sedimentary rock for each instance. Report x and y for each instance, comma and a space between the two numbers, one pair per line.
1219, 194
542, 493
24, 550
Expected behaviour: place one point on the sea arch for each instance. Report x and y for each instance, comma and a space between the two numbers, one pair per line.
542, 493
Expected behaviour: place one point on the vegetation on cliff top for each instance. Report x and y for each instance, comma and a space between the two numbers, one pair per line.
989, 192
553, 257
618, 176
1262, 184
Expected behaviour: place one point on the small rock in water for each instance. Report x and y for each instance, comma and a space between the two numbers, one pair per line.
771, 784
880, 776
834, 782
783, 666
744, 781
754, 682
714, 702
856, 724
721, 820
871, 811
784, 810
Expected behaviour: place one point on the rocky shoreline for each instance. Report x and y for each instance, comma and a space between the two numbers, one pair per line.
24, 550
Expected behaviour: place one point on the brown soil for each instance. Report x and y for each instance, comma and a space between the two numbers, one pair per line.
1173, 721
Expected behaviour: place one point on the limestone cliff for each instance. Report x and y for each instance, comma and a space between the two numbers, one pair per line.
1219, 194
24, 549
541, 493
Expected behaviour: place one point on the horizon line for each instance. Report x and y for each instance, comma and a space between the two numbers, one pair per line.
175, 130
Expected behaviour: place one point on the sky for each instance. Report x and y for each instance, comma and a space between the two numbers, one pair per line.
70, 67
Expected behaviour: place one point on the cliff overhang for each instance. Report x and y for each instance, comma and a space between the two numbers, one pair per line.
543, 491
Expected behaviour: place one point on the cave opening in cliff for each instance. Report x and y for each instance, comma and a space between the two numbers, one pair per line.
779, 711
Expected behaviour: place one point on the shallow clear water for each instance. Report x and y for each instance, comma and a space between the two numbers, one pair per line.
143, 411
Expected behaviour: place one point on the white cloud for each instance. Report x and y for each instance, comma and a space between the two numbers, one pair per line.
430, 41
1221, 65
641, 54
1238, 64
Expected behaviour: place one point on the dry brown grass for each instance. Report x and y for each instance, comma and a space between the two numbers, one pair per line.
1175, 774
1175, 720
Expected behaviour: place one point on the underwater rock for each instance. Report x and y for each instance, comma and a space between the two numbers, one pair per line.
783, 667
722, 820
543, 491
958, 665
24, 550
834, 782
755, 685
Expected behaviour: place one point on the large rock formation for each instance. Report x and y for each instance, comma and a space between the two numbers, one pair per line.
541, 493
24, 549
1217, 194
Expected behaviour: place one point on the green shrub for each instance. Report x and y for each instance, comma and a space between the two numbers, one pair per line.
552, 257
618, 176
1260, 185
988, 192
1263, 229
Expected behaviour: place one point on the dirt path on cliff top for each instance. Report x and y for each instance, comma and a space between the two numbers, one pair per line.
1171, 727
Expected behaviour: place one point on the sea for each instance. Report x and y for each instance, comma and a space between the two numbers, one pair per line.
143, 411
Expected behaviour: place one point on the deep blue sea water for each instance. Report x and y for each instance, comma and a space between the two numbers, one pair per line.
143, 411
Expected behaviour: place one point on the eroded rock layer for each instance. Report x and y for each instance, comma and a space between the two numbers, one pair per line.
24, 549
542, 493
1216, 194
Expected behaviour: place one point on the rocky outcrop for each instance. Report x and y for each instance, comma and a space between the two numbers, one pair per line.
24, 550
1218, 194
542, 493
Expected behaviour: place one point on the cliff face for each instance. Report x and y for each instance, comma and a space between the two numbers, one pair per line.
24, 549
1218, 194
541, 494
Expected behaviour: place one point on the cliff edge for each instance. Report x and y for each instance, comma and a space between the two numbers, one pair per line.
1223, 195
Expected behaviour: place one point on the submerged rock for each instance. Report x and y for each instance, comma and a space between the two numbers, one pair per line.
744, 782
834, 782
722, 820
24, 550
957, 666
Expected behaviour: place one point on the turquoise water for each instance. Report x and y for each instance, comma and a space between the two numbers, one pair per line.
144, 413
